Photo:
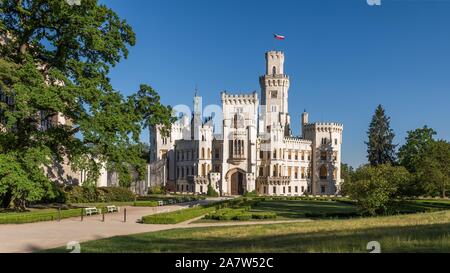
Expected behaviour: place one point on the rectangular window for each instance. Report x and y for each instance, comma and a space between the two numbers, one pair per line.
261, 154
274, 94
303, 189
335, 141
284, 190
289, 189
296, 189
274, 190
323, 189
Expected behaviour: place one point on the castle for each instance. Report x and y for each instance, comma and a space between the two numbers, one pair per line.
248, 146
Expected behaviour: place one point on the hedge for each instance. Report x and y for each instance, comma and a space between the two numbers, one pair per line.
244, 214
177, 216
38, 216
145, 204
78, 194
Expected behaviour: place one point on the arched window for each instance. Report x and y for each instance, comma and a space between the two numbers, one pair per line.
204, 170
203, 153
274, 70
209, 153
323, 172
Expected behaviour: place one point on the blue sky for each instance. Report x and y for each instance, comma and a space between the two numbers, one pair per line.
344, 57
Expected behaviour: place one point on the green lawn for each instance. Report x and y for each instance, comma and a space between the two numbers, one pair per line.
424, 232
294, 209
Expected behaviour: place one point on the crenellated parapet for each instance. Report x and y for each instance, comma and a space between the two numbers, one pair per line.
331, 127
239, 99
297, 140
275, 81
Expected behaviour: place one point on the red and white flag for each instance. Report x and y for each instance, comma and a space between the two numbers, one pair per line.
279, 37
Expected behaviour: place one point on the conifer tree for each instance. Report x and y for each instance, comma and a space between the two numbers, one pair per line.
380, 147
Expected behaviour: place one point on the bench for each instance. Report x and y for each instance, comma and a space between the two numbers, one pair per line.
112, 209
91, 211
160, 203
171, 201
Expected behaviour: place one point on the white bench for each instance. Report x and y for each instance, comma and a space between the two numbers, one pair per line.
112, 209
160, 203
91, 211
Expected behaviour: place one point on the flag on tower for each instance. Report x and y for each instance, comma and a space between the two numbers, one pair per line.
279, 37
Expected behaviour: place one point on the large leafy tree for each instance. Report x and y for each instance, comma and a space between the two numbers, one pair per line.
54, 61
417, 144
376, 188
434, 170
380, 147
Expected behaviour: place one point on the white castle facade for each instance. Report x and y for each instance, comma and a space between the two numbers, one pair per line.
254, 149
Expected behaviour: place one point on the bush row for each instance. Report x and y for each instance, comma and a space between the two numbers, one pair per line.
177, 216
244, 214
175, 198
31, 217
146, 204
79, 194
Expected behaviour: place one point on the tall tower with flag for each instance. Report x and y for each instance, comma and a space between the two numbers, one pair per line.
275, 92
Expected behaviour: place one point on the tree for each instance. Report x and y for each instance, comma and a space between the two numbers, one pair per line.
434, 170
380, 147
417, 143
54, 61
347, 172
375, 188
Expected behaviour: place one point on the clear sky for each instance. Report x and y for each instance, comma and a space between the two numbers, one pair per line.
344, 57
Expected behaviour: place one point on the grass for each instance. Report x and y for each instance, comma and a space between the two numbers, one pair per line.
424, 232
297, 209
177, 216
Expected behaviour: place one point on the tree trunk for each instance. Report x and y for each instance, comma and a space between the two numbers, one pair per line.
20, 204
6, 200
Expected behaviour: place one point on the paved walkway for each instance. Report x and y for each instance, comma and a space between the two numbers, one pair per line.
47, 235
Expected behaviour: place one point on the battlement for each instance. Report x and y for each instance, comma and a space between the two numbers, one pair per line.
297, 140
275, 53
324, 127
239, 98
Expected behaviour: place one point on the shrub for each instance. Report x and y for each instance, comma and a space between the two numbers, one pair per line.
79, 194
243, 217
251, 194
145, 204
157, 190
116, 194
264, 215
212, 192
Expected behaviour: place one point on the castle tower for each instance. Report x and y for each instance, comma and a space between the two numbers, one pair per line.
274, 93
196, 117
326, 156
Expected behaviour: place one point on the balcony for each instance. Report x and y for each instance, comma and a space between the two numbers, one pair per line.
274, 180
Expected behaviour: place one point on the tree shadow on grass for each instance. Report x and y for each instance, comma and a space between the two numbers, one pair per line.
301, 209
423, 238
